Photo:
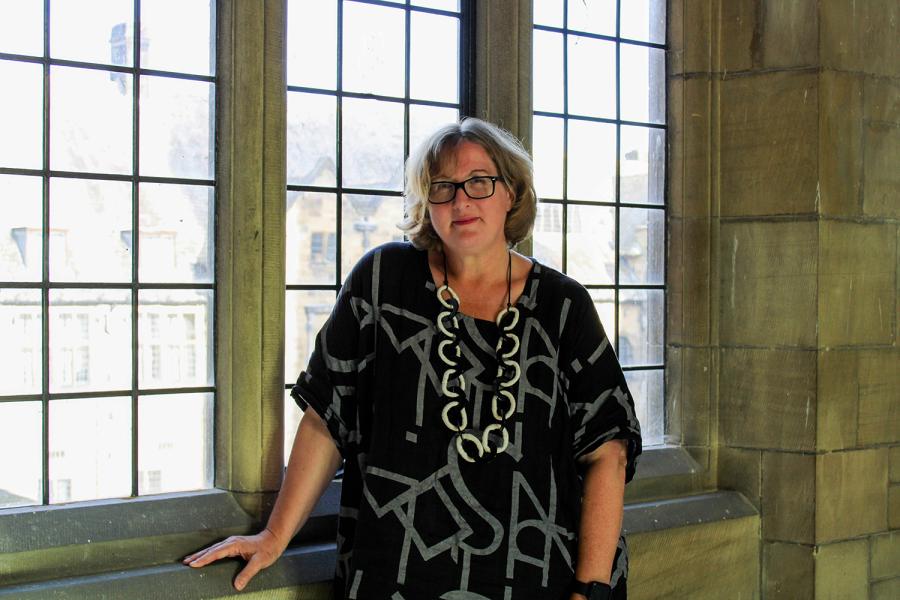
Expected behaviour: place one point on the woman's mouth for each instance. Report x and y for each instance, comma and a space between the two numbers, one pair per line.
465, 221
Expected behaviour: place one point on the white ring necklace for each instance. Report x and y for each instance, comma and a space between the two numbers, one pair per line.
453, 383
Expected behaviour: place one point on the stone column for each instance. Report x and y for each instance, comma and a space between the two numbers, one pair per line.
785, 188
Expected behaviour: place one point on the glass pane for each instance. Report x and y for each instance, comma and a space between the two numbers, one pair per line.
425, 120
90, 230
305, 313
373, 144
548, 235
311, 238
644, 20
90, 340
102, 34
373, 57
452, 5
175, 451
591, 239
434, 57
548, 85
641, 246
292, 416
22, 27
548, 12
175, 338
592, 76
311, 135
595, 16
643, 84
605, 305
366, 222
647, 389
20, 228
642, 165
548, 157
176, 233
176, 128
591, 161
312, 43
20, 444
641, 327
90, 449
90, 121
176, 36
21, 118
20, 352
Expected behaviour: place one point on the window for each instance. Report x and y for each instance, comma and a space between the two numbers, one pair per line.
106, 132
599, 150
366, 80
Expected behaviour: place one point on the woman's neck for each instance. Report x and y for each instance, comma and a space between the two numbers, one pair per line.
484, 268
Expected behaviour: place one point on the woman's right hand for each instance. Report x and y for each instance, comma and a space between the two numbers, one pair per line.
260, 551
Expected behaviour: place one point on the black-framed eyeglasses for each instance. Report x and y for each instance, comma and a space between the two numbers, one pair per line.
476, 188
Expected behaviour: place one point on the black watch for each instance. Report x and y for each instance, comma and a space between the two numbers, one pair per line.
592, 590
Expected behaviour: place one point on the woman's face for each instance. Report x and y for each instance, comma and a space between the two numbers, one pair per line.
468, 226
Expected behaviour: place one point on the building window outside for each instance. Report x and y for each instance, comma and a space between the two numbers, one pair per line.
366, 81
599, 150
106, 133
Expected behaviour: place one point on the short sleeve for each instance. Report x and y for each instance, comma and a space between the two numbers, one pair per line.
329, 383
601, 408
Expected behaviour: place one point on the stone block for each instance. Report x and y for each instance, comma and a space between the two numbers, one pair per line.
769, 144
767, 398
697, 57
674, 397
857, 283
842, 570
860, 36
675, 146
851, 494
882, 100
789, 571
789, 34
886, 590
695, 420
698, 148
741, 470
895, 464
768, 283
696, 281
881, 176
788, 497
840, 143
675, 38
838, 399
894, 507
885, 555
769, 34
739, 20
675, 282
879, 390
676, 563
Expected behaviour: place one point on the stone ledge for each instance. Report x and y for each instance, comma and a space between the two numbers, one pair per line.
713, 507
298, 566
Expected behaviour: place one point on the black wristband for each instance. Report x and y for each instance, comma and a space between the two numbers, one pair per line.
592, 590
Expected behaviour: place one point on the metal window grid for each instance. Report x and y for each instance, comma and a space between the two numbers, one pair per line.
617, 204
464, 106
45, 285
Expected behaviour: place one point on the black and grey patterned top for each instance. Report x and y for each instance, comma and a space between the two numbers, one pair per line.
417, 521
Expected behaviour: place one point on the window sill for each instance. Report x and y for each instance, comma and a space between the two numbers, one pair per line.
95, 543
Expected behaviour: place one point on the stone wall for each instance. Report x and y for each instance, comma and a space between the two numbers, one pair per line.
783, 314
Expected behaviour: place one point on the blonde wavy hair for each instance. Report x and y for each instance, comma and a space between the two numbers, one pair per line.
513, 164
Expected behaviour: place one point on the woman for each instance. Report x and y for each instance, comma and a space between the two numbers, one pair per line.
485, 425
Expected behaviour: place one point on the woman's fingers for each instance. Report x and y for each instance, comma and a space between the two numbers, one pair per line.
229, 547
254, 566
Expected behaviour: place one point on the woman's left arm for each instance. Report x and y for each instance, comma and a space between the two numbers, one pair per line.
601, 512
